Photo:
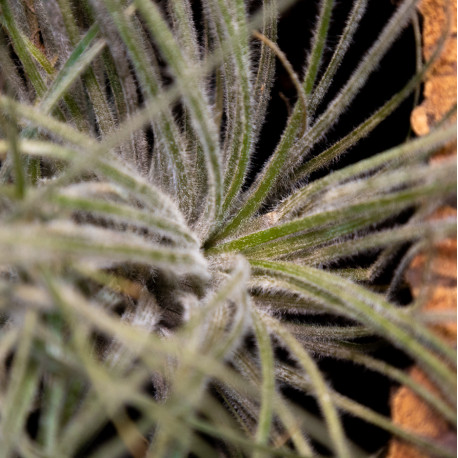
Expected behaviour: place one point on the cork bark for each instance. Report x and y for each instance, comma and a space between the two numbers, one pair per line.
433, 273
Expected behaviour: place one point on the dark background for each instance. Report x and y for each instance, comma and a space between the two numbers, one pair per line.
294, 35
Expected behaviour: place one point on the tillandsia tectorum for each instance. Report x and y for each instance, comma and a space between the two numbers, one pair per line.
147, 285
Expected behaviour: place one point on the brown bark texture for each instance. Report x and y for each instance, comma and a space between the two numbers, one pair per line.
432, 274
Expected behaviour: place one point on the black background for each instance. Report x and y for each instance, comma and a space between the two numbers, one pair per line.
294, 35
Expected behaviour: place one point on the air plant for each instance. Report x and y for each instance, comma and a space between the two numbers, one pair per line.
147, 285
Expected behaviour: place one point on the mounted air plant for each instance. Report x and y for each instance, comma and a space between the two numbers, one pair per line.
154, 301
